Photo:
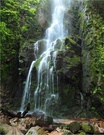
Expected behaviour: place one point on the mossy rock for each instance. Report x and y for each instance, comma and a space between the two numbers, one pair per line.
36, 64
63, 126
74, 127
4, 129
87, 128
48, 120
36, 131
82, 133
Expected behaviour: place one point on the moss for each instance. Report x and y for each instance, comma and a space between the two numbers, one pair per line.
87, 128
82, 133
36, 64
72, 41
72, 62
74, 127
3, 129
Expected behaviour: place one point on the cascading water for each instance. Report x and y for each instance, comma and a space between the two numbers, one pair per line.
46, 93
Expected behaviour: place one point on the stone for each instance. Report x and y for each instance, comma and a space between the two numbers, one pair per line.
4, 128
38, 113
48, 120
26, 123
40, 121
36, 131
97, 129
66, 133
14, 121
82, 133
14, 131
74, 127
41, 18
87, 128
4, 119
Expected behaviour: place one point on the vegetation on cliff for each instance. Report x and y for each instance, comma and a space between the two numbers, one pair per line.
80, 66
18, 26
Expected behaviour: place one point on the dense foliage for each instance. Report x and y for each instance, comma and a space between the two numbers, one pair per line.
18, 25
91, 33
93, 52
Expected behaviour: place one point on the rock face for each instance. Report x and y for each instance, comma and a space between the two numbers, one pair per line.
78, 78
26, 56
41, 19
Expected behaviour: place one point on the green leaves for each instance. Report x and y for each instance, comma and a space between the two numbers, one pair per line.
18, 21
4, 31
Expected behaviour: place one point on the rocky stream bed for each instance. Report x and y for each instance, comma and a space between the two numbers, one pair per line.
12, 124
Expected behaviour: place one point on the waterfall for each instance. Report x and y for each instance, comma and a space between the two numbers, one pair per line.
26, 95
46, 93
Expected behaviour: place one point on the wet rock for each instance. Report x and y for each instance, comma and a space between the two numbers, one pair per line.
39, 47
41, 19
19, 114
38, 113
36, 131
58, 44
88, 128
28, 115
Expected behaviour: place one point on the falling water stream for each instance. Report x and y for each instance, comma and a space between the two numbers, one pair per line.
46, 93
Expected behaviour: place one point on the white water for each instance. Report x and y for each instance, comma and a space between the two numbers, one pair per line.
46, 93
26, 95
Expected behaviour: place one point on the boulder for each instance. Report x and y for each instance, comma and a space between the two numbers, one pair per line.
9, 130
14, 131
97, 129
87, 128
74, 127
48, 120
4, 129
26, 123
38, 113
44, 121
36, 131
